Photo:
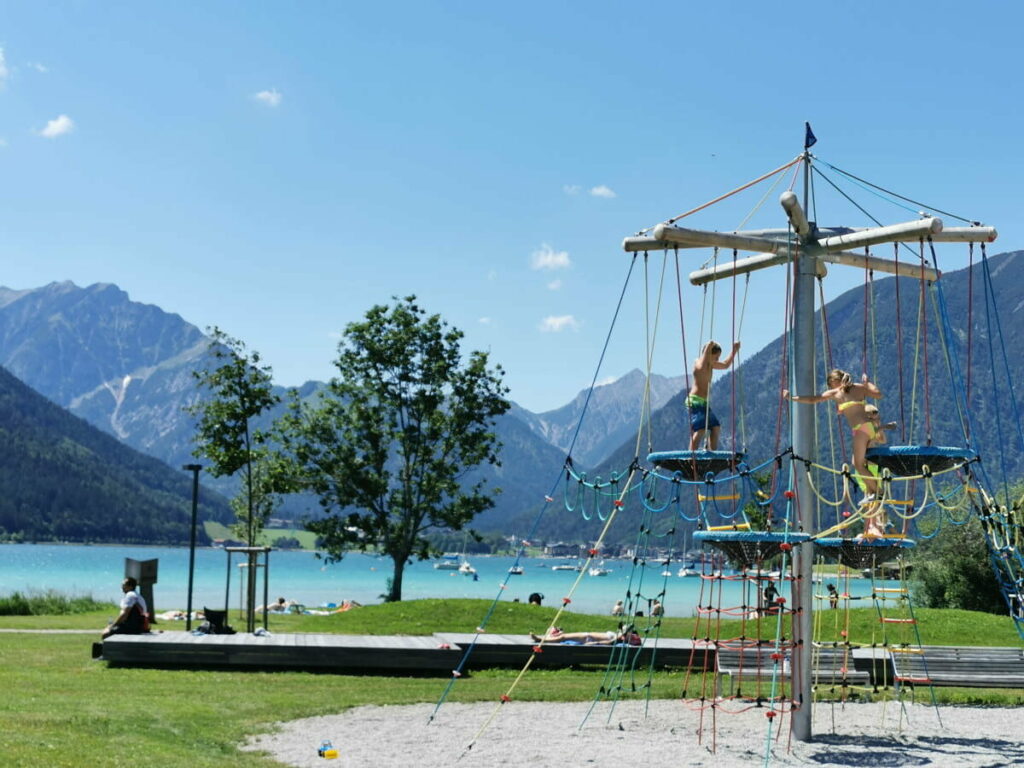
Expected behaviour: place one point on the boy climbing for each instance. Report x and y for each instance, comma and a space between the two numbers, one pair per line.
702, 418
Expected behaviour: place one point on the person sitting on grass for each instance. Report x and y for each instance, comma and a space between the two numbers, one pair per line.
134, 616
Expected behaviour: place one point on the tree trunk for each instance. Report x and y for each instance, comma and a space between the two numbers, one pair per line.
395, 593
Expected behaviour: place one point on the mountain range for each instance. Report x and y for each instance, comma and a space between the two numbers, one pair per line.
126, 368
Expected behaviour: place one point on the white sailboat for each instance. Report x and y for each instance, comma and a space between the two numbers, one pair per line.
450, 561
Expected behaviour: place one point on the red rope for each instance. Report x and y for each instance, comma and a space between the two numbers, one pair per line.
899, 343
829, 364
732, 365
783, 369
682, 336
924, 344
864, 333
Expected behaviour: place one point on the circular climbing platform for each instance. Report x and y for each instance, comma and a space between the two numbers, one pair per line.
746, 547
910, 460
696, 465
861, 552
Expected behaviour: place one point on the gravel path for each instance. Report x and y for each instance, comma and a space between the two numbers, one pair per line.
549, 735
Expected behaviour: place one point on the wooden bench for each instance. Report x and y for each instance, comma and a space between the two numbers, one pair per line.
958, 666
833, 667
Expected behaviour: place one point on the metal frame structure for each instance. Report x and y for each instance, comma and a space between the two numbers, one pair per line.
808, 248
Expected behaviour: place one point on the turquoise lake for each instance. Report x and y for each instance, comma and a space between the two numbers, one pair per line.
301, 576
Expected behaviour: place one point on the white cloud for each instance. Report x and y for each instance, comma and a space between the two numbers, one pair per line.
38, 67
58, 127
3, 143
4, 72
271, 98
602, 191
606, 381
571, 189
554, 285
484, 321
547, 257
558, 323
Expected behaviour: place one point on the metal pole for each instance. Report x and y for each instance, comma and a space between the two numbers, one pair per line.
802, 415
227, 588
194, 469
266, 587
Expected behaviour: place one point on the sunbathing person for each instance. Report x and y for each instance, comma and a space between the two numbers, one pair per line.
611, 637
281, 606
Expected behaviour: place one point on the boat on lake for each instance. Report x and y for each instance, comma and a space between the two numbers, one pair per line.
516, 570
450, 561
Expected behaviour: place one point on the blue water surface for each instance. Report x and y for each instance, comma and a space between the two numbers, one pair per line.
302, 576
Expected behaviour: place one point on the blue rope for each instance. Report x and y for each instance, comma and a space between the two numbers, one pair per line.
956, 377
989, 302
1002, 348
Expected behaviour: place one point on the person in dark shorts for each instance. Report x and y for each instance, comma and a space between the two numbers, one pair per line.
702, 419
134, 616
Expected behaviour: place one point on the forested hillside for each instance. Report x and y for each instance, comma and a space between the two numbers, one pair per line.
65, 480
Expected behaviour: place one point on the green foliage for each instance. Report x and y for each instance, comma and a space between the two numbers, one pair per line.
64, 480
953, 570
234, 394
49, 603
388, 446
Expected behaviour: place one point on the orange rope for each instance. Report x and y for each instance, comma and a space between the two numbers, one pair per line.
748, 185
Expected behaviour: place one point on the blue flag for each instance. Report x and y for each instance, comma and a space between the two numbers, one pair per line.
809, 138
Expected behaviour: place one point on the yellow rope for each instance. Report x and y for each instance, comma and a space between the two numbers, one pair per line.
565, 602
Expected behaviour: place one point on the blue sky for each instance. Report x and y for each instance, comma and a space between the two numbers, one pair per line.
277, 168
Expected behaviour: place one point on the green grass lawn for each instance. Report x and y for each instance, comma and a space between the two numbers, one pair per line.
60, 708
267, 537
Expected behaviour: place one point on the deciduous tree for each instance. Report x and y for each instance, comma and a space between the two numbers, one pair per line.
232, 396
390, 446
954, 570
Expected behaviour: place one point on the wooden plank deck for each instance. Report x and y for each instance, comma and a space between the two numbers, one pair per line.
440, 652
499, 650
412, 653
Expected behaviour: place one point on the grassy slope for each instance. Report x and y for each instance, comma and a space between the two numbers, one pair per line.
267, 537
63, 709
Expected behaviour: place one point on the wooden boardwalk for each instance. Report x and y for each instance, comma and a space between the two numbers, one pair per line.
443, 652
439, 653
283, 651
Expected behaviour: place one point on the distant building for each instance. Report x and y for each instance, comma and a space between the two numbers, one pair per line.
561, 549
228, 543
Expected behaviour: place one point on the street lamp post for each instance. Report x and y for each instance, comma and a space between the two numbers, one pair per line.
194, 469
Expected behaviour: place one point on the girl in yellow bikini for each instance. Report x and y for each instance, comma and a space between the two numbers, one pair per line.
850, 400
